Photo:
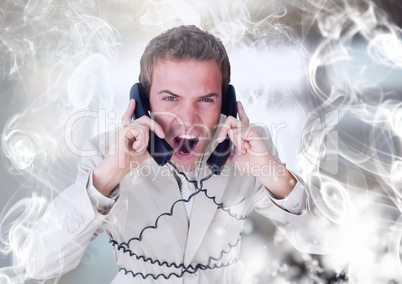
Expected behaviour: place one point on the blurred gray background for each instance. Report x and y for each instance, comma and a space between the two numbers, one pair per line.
292, 64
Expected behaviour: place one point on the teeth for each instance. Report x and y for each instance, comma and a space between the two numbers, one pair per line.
184, 136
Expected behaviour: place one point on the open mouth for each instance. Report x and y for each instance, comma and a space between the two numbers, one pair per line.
185, 143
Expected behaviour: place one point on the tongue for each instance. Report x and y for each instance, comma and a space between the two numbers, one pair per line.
185, 145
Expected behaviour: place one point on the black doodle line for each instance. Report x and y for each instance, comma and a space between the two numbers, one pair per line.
185, 269
125, 247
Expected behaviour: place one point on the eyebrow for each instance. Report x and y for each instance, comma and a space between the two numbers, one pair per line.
176, 95
210, 95
168, 92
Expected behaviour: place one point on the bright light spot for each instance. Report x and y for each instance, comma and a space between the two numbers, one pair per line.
273, 68
387, 49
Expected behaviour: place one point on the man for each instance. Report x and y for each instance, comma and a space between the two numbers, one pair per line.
177, 223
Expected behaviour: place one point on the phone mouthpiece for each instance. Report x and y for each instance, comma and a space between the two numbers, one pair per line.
218, 158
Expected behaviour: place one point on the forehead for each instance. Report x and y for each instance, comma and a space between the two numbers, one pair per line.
187, 74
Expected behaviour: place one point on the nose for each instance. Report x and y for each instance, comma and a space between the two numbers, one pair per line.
189, 114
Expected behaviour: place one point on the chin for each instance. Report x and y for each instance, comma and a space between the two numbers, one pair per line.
187, 165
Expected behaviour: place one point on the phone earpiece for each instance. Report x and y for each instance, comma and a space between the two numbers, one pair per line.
158, 148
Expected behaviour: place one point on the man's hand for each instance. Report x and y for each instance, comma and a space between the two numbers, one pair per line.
127, 150
252, 155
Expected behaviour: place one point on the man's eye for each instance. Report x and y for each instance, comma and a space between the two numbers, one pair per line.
169, 98
208, 100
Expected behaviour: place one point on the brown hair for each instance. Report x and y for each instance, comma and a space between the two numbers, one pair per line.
183, 43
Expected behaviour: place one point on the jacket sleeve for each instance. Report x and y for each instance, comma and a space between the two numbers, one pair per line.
57, 241
298, 216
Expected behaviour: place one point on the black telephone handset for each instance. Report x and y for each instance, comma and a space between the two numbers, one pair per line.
222, 152
161, 151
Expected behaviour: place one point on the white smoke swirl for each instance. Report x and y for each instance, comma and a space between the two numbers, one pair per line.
55, 56
358, 151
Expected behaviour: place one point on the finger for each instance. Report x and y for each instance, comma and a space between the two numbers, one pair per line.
242, 115
136, 138
133, 136
151, 125
236, 137
141, 138
241, 139
229, 123
128, 114
130, 134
